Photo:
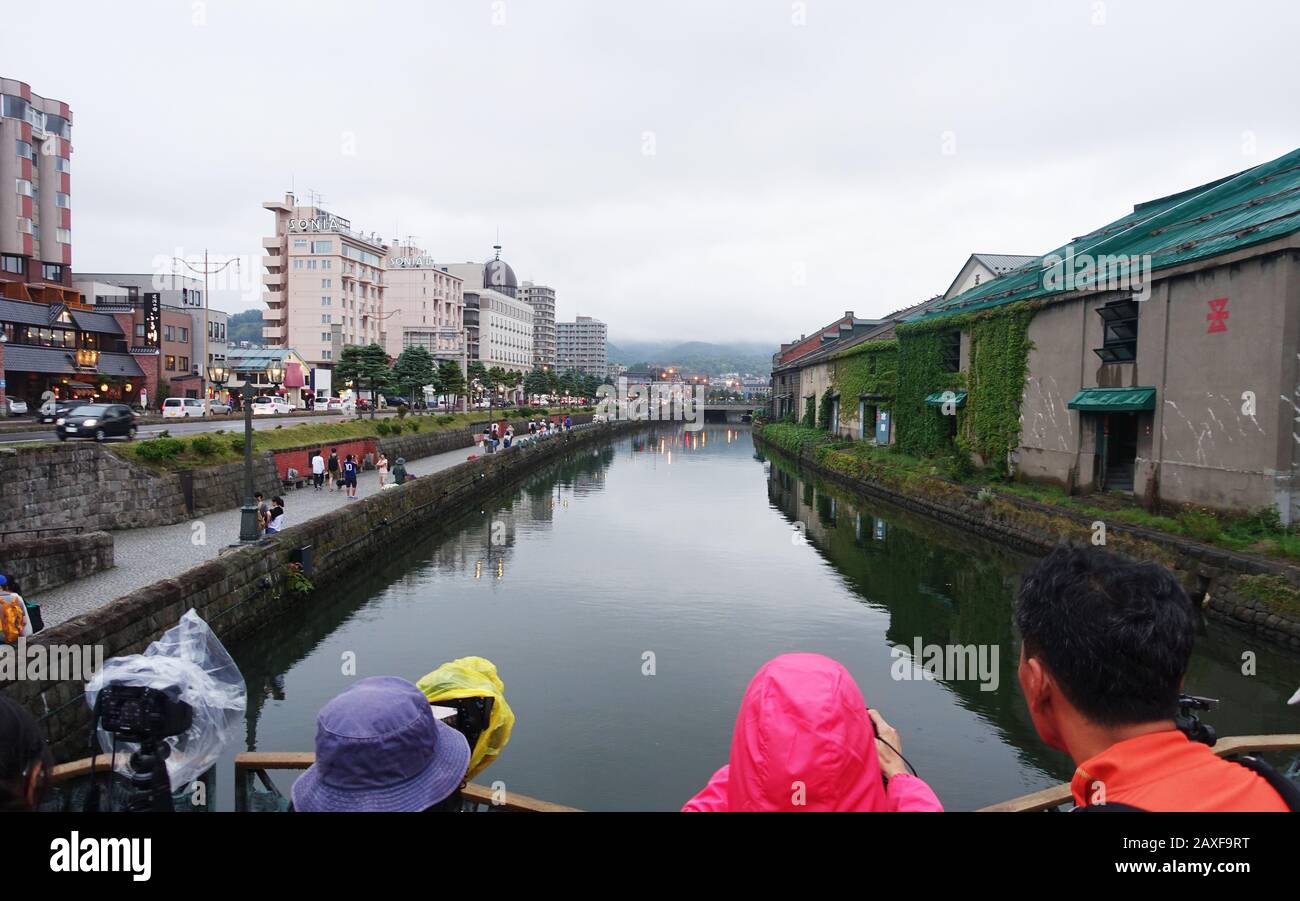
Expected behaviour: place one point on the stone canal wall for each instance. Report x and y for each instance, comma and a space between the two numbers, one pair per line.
1258, 595
45, 562
246, 586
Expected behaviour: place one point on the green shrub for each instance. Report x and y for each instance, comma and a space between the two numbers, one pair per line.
204, 445
959, 466
414, 425
159, 449
402, 410
383, 428
237, 443
446, 418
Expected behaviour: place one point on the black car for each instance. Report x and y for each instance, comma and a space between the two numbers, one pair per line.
98, 421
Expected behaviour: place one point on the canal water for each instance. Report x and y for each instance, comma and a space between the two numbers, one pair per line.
692, 552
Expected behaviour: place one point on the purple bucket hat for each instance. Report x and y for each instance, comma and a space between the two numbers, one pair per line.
379, 748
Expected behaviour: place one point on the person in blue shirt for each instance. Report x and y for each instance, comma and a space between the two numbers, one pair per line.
350, 475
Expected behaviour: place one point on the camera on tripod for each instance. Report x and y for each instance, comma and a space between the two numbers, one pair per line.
137, 713
1190, 724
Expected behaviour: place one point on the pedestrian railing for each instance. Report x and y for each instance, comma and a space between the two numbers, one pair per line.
41, 533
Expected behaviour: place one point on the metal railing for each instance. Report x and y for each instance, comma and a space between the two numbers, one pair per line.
39, 533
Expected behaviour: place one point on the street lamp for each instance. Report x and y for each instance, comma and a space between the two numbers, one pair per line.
248, 530
207, 270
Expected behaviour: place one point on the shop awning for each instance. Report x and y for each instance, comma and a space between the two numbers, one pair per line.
939, 398
293, 377
1114, 400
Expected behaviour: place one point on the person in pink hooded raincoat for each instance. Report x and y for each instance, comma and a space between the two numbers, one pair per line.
804, 740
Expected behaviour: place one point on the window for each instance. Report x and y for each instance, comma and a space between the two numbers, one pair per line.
300, 243
62, 201
169, 363
183, 364
62, 164
13, 107
24, 150
185, 336
58, 125
952, 352
297, 264
326, 264
326, 301
325, 337
325, 318
327, 283
63, 235
322, 246
14, 264
24, 226
326, 355
139, 329
169, 333
23, 186
1120, 330
52, 272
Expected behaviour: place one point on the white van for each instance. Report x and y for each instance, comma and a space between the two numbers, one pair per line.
184, 408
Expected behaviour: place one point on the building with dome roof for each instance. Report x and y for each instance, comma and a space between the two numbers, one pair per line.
498, 325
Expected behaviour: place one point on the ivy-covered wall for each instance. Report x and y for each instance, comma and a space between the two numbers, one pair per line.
871, 369
994, 380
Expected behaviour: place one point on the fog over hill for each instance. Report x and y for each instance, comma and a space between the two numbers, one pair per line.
738, 356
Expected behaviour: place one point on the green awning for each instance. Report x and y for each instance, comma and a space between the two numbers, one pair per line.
939, 398
1114, 400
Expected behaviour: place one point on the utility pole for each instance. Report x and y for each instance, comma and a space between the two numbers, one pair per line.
206, 271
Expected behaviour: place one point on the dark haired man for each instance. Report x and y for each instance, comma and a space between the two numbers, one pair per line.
25, 760
1105, 645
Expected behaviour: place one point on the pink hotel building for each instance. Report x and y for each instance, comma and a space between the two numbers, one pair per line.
324, 283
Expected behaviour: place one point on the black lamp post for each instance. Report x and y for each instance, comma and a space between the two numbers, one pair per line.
248, 530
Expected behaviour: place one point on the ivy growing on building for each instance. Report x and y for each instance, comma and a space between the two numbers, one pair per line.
809, 420
989, 424
870, 369
824, 410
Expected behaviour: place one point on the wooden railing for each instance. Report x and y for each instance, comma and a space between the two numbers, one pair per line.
1059, 795
258, 764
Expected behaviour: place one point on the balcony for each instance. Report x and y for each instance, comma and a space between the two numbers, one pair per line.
273, 314
273, 279
273, 332
272, 243
273, 261
273, 297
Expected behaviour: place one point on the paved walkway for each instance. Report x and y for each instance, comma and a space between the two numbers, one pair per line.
145, 556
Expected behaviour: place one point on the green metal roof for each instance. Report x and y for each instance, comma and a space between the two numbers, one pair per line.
1114, 400
939, 398
1251, 207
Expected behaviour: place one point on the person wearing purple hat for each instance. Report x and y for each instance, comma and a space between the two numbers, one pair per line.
380, 749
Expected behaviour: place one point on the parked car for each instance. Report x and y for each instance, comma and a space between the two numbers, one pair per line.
220, 407
267, 405
184, 408
333, 405
16, 407
98, 421
52, 410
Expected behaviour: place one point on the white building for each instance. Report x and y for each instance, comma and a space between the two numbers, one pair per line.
542, 299
583, 345
498, 325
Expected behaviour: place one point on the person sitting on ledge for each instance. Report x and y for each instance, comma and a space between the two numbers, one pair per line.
805, 740
1105, 646
400, 475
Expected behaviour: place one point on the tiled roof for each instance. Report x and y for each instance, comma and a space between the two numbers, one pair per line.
45, 360
96, 322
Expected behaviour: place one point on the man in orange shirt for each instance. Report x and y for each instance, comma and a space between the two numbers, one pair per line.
1105, 645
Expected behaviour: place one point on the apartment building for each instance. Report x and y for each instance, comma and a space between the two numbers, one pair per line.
321, 273
583, 345
179, 292
542, 299
498, 325
35, 196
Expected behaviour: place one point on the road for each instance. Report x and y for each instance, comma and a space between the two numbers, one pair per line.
231, 422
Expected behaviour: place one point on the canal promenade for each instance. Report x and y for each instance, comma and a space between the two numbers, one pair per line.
144, 556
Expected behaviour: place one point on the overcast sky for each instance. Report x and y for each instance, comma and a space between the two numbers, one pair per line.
741, 170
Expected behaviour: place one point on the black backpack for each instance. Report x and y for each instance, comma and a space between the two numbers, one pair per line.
1289, 791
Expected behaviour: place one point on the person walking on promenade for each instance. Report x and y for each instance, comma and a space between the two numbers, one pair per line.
350, 476
382, 466
332, 468
318, 469
803, 723
568, 422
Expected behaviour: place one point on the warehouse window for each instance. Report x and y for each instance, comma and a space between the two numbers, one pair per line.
952, 352
1120, 326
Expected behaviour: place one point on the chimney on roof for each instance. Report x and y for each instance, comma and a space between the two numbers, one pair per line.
848, 314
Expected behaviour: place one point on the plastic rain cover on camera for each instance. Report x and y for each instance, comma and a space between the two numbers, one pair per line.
190, 657
474, 677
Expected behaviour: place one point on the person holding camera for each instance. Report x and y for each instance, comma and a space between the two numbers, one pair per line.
1105, 646
25, 759
379, 749
805, 740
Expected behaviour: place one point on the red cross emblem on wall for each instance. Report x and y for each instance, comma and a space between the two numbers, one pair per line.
1218, 315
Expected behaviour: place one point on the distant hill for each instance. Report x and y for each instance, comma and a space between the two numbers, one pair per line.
713, 359
245, 326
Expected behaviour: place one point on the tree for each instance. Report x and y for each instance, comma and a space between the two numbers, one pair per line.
536, 382
552, 382
451, 380
415, 368
366, 366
